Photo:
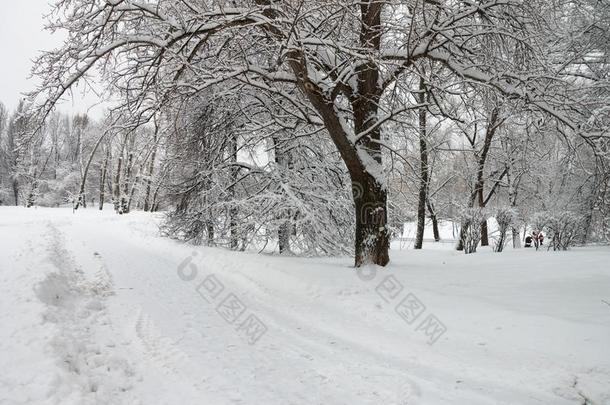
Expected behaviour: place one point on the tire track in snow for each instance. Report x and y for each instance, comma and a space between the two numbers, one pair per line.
91, 367
155, 312
159, 348
309, 345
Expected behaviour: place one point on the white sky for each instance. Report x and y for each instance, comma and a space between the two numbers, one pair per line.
22, 36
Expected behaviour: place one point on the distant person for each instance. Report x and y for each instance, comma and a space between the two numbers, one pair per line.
528, 241
537, 238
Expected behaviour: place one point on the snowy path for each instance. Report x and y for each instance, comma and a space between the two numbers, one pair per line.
97, 309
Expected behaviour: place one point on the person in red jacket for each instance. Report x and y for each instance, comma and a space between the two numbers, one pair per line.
535, 237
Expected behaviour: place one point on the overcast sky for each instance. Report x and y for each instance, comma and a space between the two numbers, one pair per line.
21, 38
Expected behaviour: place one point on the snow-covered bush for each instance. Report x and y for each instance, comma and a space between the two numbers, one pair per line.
505, 217
298, 199
5, 197
562, 227
470, 220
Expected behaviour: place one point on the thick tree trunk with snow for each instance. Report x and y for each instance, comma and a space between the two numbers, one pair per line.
363, 159
360, 150
372, 239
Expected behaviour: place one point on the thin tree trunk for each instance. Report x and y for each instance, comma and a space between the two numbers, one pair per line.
283, 234
116, 187
155, 205
126, 191
151, 168
434, 219
103, 178
484, 233
492, 125
81, 192
284, 229
588, 218
423, 172
132, 191
513, 184
516, 238
233, 212
15, 186
210, 229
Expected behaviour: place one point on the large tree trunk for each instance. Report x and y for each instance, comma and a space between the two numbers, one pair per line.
360, 150
423, 169
372, 239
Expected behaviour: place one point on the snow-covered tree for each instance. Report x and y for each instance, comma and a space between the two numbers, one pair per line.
337, 63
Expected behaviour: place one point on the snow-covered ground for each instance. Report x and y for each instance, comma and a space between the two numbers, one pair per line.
97, 308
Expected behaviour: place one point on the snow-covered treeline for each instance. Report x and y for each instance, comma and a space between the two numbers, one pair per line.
72, 159
322, 126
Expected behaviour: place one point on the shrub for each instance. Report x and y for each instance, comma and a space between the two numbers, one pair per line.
505, 217
471, 219
562, 227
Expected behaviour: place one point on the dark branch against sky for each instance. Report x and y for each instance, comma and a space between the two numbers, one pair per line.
22, 37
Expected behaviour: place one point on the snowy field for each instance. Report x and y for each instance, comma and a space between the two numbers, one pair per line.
98, 309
